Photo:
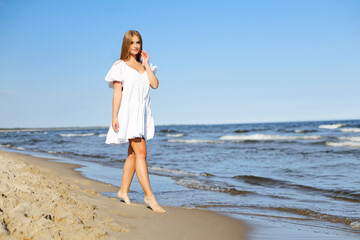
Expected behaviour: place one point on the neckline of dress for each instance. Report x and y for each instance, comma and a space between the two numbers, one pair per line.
134, 69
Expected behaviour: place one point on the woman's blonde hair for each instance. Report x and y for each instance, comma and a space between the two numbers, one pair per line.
125, 49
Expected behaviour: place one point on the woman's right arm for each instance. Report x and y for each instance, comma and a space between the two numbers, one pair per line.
116, 104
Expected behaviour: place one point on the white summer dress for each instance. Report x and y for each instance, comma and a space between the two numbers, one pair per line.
134, 115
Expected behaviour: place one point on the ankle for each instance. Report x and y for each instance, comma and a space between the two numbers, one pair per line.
150, 196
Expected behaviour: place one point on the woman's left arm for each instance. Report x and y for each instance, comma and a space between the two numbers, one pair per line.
154, 82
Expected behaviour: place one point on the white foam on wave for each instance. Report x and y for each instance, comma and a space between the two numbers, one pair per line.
210, 186
6, 145
332, 126
175, 171
350, 130
76, 135
353, 139
193, 141
355, 224
349, 144
2, 145
102, 135
198, 185
20, 148
257, 137
176, 135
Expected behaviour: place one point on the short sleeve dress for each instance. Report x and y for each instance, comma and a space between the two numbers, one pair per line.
134, 115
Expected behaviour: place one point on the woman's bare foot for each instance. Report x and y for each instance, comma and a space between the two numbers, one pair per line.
124, 196
154, 204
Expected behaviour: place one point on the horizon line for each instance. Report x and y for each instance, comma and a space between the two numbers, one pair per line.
172, 124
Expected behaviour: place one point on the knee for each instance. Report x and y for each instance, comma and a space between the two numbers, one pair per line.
141, 155
131, 156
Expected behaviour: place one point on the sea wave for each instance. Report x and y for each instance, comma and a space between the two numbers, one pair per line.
177, 171
355, 224
343, 194
194, 141
356, 130
8, 145
318, 215
241, 131
354, 139
259, 137
261, 181
176, 135
304, 131
83, 155
102, 135
350, 144
196, 184
76, 134
251, 130
332, 126
167, 131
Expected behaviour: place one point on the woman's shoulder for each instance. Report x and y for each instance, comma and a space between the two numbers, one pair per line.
119, 61
118, 64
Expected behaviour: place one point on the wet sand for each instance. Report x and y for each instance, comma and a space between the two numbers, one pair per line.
41, 199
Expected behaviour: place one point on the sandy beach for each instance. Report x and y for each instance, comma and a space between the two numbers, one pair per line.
41, 199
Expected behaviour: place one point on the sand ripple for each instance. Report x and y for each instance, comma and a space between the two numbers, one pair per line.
37, 205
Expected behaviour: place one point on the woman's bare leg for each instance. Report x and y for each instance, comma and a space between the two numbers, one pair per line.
139, 147
128, 174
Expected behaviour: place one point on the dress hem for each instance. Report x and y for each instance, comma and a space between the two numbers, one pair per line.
126, 140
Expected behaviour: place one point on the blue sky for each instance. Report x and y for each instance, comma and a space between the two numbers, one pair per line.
219, 61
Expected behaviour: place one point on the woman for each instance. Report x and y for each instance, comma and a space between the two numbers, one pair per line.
132, 121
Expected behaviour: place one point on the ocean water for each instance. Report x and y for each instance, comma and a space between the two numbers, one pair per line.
300, 176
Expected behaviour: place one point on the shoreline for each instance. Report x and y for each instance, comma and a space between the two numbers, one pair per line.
41, 197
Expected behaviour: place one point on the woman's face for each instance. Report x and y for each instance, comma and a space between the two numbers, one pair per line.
135, 45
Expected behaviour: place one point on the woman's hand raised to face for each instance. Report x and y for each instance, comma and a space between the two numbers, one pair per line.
145, 58
154, 82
